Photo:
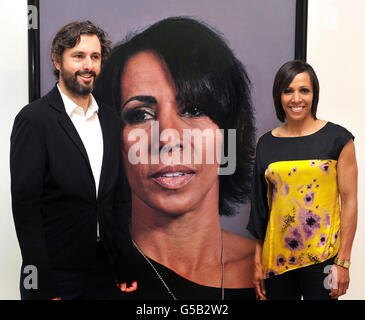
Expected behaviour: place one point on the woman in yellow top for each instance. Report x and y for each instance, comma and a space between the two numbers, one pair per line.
304, 204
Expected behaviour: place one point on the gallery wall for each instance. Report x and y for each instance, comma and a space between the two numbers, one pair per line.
336, 50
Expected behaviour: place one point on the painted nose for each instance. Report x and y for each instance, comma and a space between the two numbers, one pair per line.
170, 132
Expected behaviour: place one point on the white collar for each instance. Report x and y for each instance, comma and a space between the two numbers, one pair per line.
71, 106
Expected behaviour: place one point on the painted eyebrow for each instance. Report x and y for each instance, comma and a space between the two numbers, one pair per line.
146, 99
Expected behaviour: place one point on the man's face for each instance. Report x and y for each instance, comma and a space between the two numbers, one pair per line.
80, 66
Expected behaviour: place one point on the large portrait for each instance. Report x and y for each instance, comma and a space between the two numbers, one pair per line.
261, 35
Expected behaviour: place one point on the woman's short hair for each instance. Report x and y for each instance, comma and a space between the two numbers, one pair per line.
206, 74
69, 35
285, 76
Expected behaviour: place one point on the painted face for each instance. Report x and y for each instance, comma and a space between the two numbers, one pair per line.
156, 130
80, 65
297, 98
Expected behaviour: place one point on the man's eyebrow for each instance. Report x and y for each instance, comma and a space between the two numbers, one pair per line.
83, 52
146, 99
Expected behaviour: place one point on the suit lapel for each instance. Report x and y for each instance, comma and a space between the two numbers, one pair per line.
56, 102
107, 138
71, 131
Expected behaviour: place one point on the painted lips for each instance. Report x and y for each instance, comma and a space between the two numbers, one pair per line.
173, 177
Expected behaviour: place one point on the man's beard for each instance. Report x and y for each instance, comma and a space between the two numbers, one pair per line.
73, 85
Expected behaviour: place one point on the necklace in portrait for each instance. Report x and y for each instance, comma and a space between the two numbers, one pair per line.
163, 281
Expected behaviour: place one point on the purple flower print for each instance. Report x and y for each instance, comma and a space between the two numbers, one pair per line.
322, 240
280, 260
273, 182
294, 169
294, 241
285, 189
293, 260
309, 222
313, 163
309, 198
309, 186
271, 273
328, 219
335, 237
325, 167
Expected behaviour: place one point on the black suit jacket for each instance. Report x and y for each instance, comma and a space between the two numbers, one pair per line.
54, 199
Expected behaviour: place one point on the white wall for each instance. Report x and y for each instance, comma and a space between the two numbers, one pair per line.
14, 95
336, 50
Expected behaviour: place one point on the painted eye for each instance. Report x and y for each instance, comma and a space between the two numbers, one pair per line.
192, 112
135, 116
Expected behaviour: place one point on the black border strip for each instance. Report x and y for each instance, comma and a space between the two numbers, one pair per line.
301, 21
301, 18
33, 53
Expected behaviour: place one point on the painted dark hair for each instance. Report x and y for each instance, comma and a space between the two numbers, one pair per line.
285, 76
206, 74
69, 35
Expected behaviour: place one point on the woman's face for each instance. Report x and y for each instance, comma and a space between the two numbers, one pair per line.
297, 98
162, 164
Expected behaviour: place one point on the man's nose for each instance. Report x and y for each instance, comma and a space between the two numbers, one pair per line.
87, 63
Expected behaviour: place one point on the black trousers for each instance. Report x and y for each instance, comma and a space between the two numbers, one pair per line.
307, 283
88, 283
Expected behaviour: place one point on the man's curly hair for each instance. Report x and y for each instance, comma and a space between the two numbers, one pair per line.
69, 35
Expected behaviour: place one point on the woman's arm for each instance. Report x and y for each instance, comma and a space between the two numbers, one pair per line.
258, 278
347, 184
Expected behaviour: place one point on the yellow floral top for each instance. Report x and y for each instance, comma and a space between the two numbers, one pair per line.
295, 206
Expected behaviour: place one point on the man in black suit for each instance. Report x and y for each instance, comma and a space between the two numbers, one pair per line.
66, 175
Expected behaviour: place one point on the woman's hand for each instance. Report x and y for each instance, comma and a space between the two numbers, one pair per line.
258, 282
258, 276
340, 279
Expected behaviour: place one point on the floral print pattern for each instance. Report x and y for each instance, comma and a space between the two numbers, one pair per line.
304, 218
